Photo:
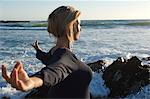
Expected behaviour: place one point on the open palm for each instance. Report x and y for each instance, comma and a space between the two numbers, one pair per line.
18, 77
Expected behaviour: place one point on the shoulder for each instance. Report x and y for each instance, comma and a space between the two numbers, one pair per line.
85, 69
61, 51
64, 52
62, 55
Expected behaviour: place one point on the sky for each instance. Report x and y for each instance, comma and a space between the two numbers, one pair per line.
90, 9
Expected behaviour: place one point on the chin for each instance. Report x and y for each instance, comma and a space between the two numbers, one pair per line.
75, 39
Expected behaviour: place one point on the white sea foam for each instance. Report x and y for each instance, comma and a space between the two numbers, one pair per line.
102, 42
128, 56
97, 86
11, 93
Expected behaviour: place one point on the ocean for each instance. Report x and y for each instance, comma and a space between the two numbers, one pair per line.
99, 39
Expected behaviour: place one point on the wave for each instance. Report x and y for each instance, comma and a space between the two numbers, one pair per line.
107, 23
115, 23
38, 25
22, 28
41, 25
139, 24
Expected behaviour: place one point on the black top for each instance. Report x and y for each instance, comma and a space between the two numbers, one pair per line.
64, 75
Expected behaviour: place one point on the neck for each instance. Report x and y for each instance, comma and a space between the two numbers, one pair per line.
63, 42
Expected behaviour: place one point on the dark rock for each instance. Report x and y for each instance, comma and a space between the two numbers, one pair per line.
124, 77
97, 66
146, 66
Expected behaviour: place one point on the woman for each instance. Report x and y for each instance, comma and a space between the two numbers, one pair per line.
64, 75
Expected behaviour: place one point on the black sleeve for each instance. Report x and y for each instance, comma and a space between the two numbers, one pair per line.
44, 57
52, 75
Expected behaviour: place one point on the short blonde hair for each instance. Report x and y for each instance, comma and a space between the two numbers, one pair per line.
60, 21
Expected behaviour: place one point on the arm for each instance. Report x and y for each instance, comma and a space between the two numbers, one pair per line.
52, 75
19, 78
40, 54
44, 57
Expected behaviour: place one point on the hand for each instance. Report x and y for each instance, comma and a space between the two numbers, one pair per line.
36, 45
18, 77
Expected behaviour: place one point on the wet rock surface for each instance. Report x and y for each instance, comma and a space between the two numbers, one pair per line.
124, 77
97, 66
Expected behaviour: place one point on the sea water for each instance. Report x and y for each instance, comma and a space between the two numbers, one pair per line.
99, 39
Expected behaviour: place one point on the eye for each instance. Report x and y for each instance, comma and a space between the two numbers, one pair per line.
75, 23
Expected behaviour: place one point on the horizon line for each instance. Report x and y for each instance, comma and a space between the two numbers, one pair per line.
81, 20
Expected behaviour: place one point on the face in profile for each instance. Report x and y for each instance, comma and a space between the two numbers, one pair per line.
64, 22
77, 29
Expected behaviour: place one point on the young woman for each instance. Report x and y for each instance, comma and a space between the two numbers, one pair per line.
64, 76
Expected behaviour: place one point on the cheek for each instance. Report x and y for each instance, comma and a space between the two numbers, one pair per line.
79, 28
76, 31
76, 35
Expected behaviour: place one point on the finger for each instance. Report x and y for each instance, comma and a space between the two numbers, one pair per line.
17, 66
4, 73
21, 85
20, 66
32, 45
15, 78
36, 43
